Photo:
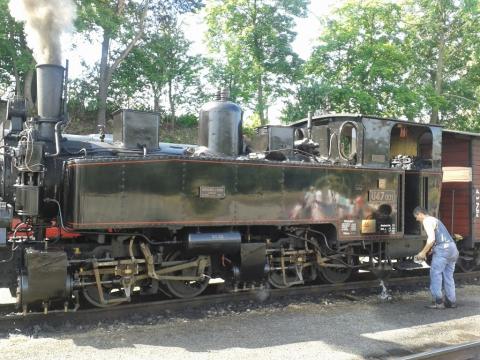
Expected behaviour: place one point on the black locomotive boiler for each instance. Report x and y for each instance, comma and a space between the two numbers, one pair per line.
319, 199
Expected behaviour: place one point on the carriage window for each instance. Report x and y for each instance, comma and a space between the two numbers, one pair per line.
348, 141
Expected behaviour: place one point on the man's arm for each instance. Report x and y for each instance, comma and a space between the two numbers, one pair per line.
422, 255
429, 227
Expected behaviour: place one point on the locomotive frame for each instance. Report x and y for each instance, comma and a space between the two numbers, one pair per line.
108, 219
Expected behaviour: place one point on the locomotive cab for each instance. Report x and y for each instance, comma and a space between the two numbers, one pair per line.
412, 148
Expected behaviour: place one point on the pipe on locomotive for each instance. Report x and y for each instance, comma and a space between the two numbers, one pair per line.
50, 78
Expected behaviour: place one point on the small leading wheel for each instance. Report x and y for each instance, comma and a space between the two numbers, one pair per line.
185, 289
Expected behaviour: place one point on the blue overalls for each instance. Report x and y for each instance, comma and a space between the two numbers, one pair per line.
445, 254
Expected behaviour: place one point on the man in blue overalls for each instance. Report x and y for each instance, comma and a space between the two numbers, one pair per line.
445, 255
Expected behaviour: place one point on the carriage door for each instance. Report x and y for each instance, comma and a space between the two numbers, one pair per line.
459, 155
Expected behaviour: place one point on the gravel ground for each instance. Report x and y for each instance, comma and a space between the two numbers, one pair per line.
332, 328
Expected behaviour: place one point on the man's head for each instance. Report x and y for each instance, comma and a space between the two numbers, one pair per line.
420, 213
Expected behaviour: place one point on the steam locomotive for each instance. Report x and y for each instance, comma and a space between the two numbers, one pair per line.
107, 218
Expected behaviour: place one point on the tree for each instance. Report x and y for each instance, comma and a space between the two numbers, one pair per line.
122, 25
82, 103
162, 65
16, 60
360, 62
417, 59
170, 65
253, 38
444, 34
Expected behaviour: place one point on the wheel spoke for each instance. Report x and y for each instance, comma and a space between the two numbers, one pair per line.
185, 289
337, 275
90, 293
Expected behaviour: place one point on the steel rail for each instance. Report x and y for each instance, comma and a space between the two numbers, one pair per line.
467, 351
15, 321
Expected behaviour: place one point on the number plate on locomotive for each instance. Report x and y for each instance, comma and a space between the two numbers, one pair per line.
382, 196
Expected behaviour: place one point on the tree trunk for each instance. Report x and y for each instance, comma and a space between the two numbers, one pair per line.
156, 97
171, 102
261, 102
102, 81
106, 70
156, 102
18, 85
434, 117
258, 55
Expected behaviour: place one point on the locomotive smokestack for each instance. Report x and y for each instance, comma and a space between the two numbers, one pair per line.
49, 98
49, 90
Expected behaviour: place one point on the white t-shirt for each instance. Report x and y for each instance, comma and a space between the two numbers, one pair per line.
430, 224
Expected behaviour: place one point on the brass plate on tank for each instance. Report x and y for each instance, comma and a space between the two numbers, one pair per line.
212, 192
382, 196
369, 226
382, 184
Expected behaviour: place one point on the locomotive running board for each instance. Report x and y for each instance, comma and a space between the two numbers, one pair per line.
407, 265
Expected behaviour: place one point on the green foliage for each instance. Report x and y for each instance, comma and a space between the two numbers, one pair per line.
359, 64
188, 120
310, 96
117, 16
179, 135
123, 24
253, 40
16, 58
415, 59
161, 64
444, 34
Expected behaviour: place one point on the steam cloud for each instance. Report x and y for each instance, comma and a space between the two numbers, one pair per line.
45, 22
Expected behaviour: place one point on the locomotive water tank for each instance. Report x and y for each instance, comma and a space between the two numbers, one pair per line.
220, 126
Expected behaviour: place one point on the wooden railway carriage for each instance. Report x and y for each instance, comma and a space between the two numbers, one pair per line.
460, 199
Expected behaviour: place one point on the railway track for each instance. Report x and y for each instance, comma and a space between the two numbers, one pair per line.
467, 351
10, 321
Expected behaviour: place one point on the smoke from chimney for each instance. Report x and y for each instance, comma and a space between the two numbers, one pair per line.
45, 22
